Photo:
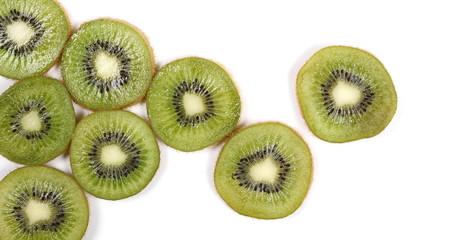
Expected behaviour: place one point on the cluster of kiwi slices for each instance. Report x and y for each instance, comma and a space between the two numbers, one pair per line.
263, 171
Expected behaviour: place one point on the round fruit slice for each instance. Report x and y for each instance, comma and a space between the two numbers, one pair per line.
41, 203
345, 94
264, 171
36, 120
107, 64
114, 154
32, 35
192, 104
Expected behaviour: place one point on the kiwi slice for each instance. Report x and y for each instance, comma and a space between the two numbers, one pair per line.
36, 120
41, 203
264, 171
192, 104
32, 35
107, 64
345, 94
114, 154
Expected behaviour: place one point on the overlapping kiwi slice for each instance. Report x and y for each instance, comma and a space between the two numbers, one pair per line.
41, 203
36, 120
114, 154
264, 171
192, 103
345, 94
107, 64
32, 35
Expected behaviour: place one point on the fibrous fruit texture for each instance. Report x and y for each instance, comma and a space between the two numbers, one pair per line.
192, 104
114, 154
107, 64
41, 203
32, 35
36, 120
345, 94
264, 171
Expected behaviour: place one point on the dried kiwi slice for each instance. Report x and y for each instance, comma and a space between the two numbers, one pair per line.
264, 171
345, 94
36, 120
192, 103
41, 203
114, 154
32, 35
107, 64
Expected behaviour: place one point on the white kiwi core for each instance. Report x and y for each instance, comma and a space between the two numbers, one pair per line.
265, 170
37, 211
193, 104
19, 32
107, 66
345, 94
31, 121
112, 155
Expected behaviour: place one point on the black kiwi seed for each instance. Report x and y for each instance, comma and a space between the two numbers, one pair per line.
344, 117
196, 88
244, 164
351, 110
9, 45
278, 191
216, 110
29, 107
88, 66
25, 191
114, 172
101, 134
51, 198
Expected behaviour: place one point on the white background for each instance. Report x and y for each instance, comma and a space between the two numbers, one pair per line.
412, 181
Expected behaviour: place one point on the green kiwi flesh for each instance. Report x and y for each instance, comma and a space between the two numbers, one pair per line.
345, 94
192, 103
32, 36
36, 120
264, 171
114, 154
107, 64
42, 203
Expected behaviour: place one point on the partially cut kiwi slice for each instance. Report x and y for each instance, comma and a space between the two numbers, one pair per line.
345, 94
41, 203
264, 171
36, 120
32, 35
192, 104
107, 64
114, 154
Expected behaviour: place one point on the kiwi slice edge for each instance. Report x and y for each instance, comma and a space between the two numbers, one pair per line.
105, 104
248, 200
200, 76
57, 42
128, 139
364, 119
42, 201
52, 127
